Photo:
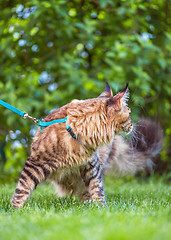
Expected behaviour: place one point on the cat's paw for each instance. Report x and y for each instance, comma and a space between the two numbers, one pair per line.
16, 204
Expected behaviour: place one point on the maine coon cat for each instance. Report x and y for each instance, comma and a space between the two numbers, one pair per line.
119, 157
59, 152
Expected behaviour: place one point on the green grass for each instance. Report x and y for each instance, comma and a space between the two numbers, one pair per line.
136, 210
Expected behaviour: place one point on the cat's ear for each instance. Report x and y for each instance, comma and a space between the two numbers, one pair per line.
119, 98
107, 92
123, 95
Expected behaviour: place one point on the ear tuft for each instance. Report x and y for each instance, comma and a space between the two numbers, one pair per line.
107, 92
119, 98
125, 89
108, 88
125, 92
123, 95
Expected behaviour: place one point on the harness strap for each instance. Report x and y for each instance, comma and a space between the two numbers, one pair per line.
70, 130
43, 124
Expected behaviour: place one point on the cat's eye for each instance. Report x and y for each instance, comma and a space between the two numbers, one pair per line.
129, 110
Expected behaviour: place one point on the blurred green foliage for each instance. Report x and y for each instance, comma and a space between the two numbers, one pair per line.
56, 50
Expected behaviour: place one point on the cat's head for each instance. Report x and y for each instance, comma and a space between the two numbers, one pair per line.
117, 109
100, 118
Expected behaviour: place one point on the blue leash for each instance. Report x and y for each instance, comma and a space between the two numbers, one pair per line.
42, 124
6, 105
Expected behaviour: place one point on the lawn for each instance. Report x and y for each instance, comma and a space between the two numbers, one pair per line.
137, 209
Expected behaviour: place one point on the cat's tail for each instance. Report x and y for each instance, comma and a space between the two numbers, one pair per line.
138, 154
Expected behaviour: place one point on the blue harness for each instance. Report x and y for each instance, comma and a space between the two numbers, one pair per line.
40, 123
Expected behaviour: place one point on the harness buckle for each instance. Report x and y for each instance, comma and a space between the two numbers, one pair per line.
31, 118
25, 115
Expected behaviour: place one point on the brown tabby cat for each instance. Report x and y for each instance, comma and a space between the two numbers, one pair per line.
56, 153
119, 157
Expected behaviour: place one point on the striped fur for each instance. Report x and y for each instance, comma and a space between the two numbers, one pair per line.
55, 155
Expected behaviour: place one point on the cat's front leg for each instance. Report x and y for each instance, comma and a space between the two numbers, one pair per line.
93, 178
31, 175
